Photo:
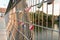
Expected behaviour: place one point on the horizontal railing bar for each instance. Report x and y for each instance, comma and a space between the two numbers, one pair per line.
39, 3
44, 27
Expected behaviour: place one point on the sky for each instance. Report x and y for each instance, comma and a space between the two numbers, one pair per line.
4, 4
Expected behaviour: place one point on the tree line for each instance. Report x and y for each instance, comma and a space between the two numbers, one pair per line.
42, 19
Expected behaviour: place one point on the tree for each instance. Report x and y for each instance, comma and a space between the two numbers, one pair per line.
37, 16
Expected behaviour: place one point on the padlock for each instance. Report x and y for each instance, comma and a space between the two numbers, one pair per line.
31, 27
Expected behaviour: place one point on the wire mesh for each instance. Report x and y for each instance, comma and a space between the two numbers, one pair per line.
43, 24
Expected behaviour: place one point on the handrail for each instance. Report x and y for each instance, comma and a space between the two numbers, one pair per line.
43, 27
8, 9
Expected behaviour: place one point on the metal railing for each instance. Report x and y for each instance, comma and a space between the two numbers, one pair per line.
35, 23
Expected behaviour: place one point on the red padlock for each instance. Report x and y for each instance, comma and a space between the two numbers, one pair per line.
21, 23
31, 27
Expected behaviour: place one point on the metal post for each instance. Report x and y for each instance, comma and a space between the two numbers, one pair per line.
46, 21
59, 24
59, 27
52, 20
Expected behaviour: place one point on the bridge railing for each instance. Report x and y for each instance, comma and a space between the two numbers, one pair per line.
36, 21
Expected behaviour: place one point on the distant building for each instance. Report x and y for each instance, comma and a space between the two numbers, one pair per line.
2, 11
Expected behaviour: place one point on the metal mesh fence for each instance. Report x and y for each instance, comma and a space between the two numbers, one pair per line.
34, 21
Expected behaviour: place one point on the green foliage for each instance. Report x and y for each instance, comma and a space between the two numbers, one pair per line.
36, 18
39, 16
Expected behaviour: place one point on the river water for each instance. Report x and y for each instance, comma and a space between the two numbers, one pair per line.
47, 34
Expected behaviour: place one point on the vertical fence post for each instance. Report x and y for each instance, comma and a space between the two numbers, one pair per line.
46, 21
59, 23
59, 27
